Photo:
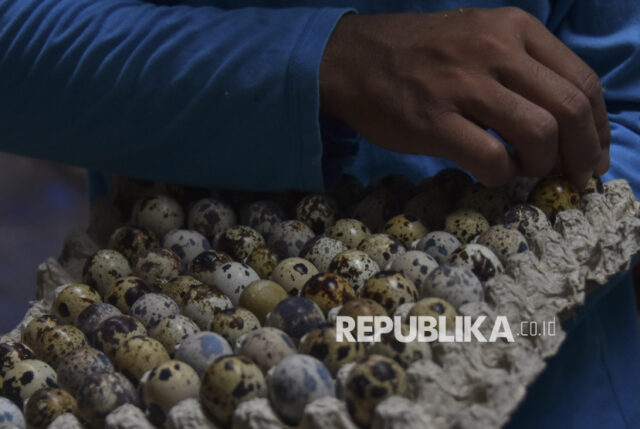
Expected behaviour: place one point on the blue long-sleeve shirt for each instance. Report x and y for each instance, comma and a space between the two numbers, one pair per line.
225, 93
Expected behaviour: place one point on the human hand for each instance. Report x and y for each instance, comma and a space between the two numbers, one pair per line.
433, 84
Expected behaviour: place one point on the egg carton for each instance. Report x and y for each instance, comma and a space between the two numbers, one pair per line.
465, 385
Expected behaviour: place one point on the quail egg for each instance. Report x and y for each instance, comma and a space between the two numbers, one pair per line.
229, 381
320, 250
177, 288
350, 231
436, 308
374, 209
157, 266
186, 244
92, 316
390, 289
11, 353
594, 186
355, 266
232, 323
159, 213
173, 330
199, 350
114, 331
102, 393
452, 181
382, 248
166, 385
318, 211
263, 260
151, 308
292, 274
239, 241
405, 227
414, 265
288, 237
430, 206
466, 224
203, 266
137, 355
491, 202
55, 343
479, 259
503, 242
295, 382
296, 316
46, 404
262, 216
526, 218
454, 284
261, 296
439, 245
405, 353
125, 291
202, 303
132, 241
36, 326
73, 299
328, 290
321, 343
10, 415
103, 268
553, 195
265, 347
362, 307
232, 277
26, 377
347, 190
75, 367
211, 217
371, 381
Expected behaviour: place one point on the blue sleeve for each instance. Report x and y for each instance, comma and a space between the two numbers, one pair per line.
606, 35
199, 96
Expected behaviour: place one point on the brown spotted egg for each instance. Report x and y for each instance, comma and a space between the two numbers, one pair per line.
296, 316
403, 352
439, 245
292, 274
125, 291
73, 299
231, 279
132, 241
25, 378
261, 296
229, 381
80, 364
553, 195
406, 228
103, 268
114, 331
262, 216
159, 213
211, 217
263, 260
12, 352
137, 355
151, 308
503, 242
594, 186
185, 243
371, 381
382, 248
239, 241
204, 265
289, 237
526, 218
390, 289
453, 283
55, 343
374, 209
491, 202
233, 323
102, 393
465, 224
265, 347
202, 303
414, 265
177, 288
355, 266
328, 290
92, 316
322, 344
362, 307
318, 211
36, 326
436, 308
157, 266
479, 259
46, 404
350, 231
320, 250
173, 330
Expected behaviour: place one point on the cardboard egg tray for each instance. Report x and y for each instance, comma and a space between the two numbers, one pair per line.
465, 385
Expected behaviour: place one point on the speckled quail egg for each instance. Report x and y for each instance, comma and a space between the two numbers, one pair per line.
436, 308
414, 265
202, 303
321, 343
10, 415
262, 216
166, 385
479, 259
27, 376
125, 291
439, 245
211, 217
159, 213
296, 316
177, 288
405, 227
199, 350
491, 202
374, 209
465, 224
36, 326
173, 330
362, 307
232, 323
186, 244
526, 218
295, 382
151, 308
92, 316
553, 195
229, 381
12, 352
55, 343
114, 331
371, 381
239, 241
430, 206
350, 231
594, 186
261, 296
157, 266
203, 265
103, 268
46, 404
132, 241
292, 274
265, 347
102, 393
454, 284
520, 187
318, 211
328, 290
504, 242
288, 237
73, 299
321, 249
382, 248
390, 289
137, 355
405, 353
75, 367
263, 260
355, 266
232, 277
